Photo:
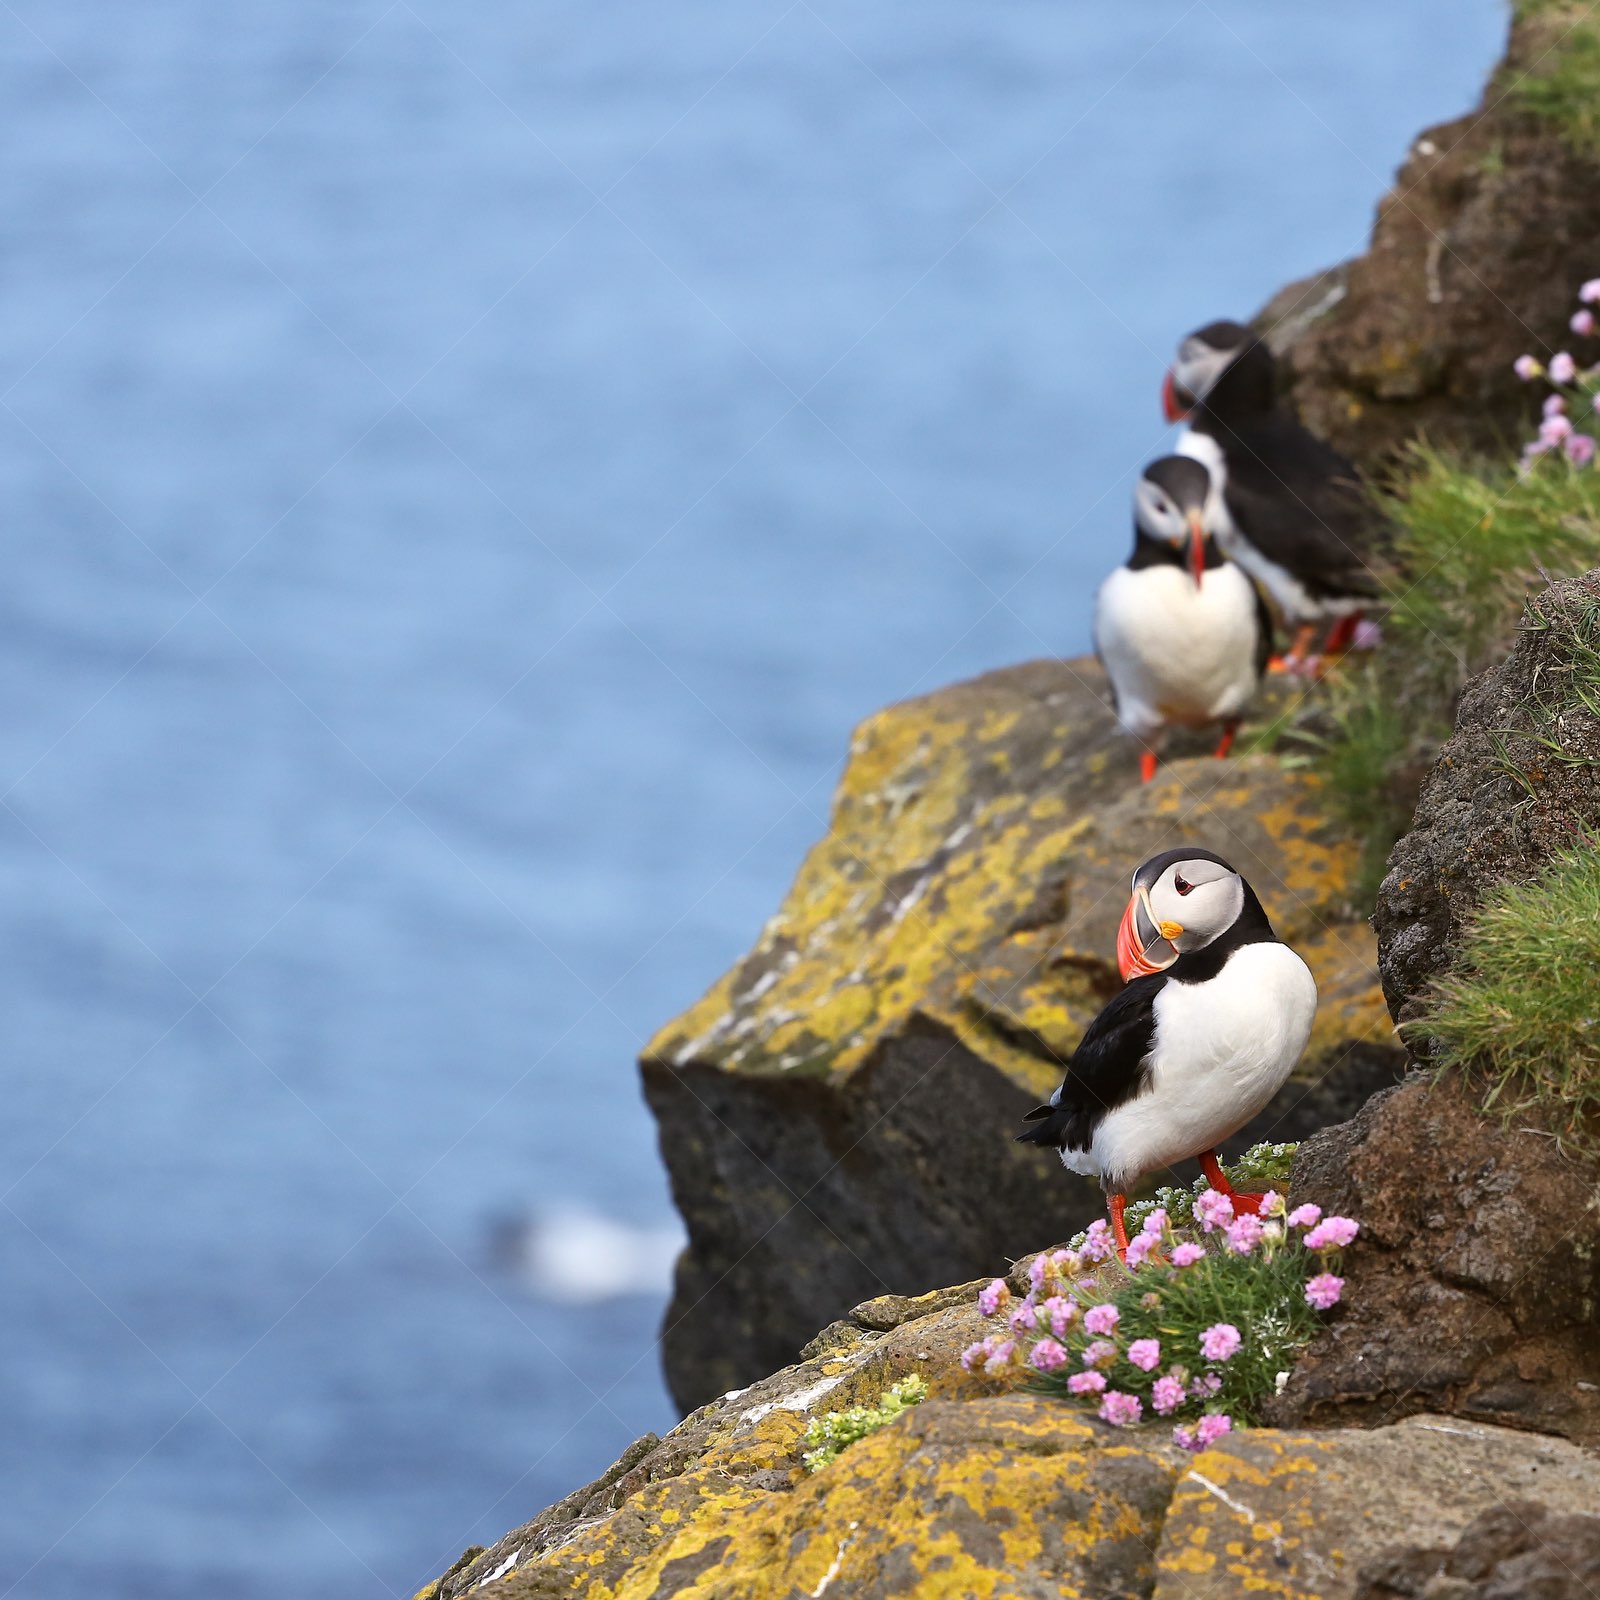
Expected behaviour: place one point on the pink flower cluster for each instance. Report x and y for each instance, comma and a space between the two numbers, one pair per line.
1105, 1350
1556, 430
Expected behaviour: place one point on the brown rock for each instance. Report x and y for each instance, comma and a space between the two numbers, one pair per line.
1476, 256
1475, 1283
1518, 1551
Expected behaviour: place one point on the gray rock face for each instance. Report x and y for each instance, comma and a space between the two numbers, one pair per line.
1518, 1551
1500, 801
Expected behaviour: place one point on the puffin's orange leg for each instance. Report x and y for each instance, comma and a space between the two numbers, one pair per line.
1299, 651
1147, 765
1340, 634
1119, 1228
1225, 744
1243, 1204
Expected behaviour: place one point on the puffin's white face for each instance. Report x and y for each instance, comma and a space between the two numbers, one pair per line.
1190, 904
1195, 372
1158, 514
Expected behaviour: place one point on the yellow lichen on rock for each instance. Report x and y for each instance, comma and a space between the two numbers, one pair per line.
973, 872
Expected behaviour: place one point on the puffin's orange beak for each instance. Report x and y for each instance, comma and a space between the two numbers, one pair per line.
1140, 936
1197, 548
1169, 399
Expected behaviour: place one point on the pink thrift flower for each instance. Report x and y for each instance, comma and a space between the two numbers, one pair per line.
1099, 1353
1146, 1353
1187, 1253
1554, 405
1155, 1224
1324, 1290
1023, 1318
993, 1297
1037, 1270
1563, 369
1166, 1396
1101, 1319
1205, 1386
1047, 1355
1580, 449
1139, 1248
1305, 1216
1526, 368
1553, 430
1000, 1356
1368, 636
1220, 1341
1065, 1263
1086, 1382
1244, 1234
1272, 1204
1060, 1312
1211, 1427
1184, 1438
1098, 1244
1213, 1210
1590, 292
1582, 323
1121, 1410
1332, 1233
975, 1355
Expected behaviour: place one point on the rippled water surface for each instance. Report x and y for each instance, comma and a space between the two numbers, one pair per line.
466, 468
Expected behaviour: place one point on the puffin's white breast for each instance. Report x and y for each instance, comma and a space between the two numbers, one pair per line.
1222, 1050
1175, 652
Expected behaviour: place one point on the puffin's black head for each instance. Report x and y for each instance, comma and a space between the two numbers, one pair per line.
1169, 507
1183, 900
1203, 356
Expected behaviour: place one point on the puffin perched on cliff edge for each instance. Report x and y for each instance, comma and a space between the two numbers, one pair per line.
1181, 631
1214, 1015
1290, 509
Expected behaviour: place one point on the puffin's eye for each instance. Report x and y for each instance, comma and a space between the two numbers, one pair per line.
1179, 884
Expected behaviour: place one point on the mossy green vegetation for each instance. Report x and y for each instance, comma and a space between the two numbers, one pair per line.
1522, 1006
826, 1436
1560, 84
1471, 543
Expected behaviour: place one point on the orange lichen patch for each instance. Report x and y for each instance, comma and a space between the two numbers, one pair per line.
976, 862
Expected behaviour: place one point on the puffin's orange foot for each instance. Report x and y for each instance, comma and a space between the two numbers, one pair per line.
1246, 1205
1147, 765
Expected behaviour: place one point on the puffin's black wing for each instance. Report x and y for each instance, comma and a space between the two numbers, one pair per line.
1302, 506
1107, 1069
1264, 640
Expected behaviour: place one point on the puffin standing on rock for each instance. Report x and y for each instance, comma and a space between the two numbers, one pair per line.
1289, 509
1214, 1015
1181, 631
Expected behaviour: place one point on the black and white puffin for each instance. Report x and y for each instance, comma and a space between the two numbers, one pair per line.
1181, 631
1290, 510
1215, 1013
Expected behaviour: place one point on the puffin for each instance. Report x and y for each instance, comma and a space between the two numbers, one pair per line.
1214, 1014
1182, 633
1288, 508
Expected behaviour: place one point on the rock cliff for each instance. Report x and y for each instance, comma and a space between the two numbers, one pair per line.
836, 1113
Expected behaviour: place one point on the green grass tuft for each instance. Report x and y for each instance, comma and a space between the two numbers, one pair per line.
826, 1437
1471, 544
1523, 1005
1561, 84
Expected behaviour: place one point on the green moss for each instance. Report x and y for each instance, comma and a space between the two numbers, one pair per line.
826, 1437
1471, 543
1522, 1008
1561, 83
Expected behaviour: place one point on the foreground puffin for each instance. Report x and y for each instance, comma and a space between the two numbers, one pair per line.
1289, 509
1215, 1013
1181, 631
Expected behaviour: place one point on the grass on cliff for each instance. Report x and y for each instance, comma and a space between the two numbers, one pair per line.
1522, 1006
1471, 543
1560, 83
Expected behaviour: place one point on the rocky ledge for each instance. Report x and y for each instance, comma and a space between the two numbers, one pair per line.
837, 1112
980, 1492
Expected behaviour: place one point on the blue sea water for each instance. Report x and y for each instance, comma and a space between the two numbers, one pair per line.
465, 470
